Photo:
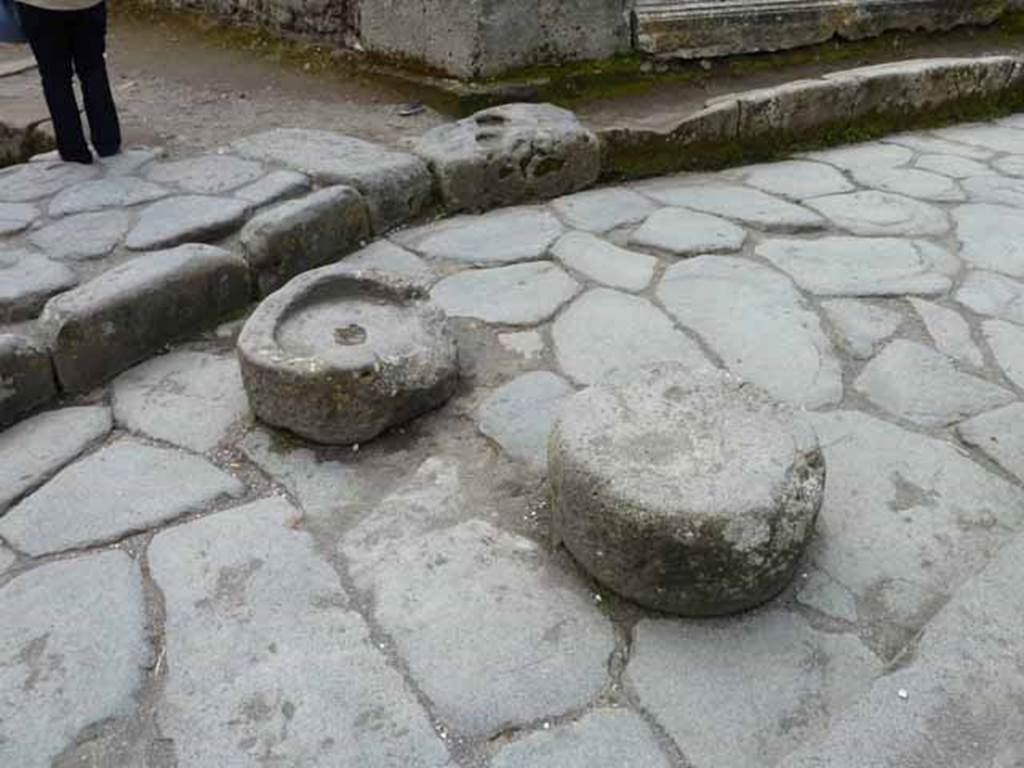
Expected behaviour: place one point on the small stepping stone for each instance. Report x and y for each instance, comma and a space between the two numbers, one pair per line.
689, 492
601, 210
84, 236
193, 219
115, 192
605, 263
16, 217
207, 175
27, 281
864, 327
798, 179
1000, 435
749, 206
687, 233
519, 415
951, 333
881, 213
991, 237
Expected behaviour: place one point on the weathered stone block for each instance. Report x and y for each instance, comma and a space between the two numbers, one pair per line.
303, 234
26, 377
510, 154
130, 312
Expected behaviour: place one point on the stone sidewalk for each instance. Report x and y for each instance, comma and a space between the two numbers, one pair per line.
182, 587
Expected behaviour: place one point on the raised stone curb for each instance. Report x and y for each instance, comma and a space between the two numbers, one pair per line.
26, 377
108, 324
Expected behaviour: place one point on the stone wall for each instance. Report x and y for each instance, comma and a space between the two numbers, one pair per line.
334, 21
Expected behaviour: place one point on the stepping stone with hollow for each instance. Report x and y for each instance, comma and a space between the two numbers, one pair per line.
519, 415
749, 206
27, 281
918, 384
993, 295
798, 179
605, 333
602, 210
757, 322
116, 192
882, 214
991, 237
522, 294
84, 236
863, 326
126, 487
187, 219
688, 492
687, 233
1000, 435
207, 175
605, 263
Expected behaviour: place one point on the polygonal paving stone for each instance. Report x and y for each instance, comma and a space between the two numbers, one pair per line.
923, 386
950, 332
27, 280
83, 237
686, 233
72, 651
605, 263
861, 156
606, 332
194, 218
1012, 165
385, 256
123, 488
925, 143
906, 519
993, 295
746, 691
501, 237
129, 161
749, 206
1000, 435
993, 137
266, 656
523, 294
880, 213
273, 187
757, 322
911, 182
35, 180
519, 415
991, 237
851, 266
1006, 341
7, 559
115, 192
605, 738
952, 166
798, 179
495, 634
187, 398
601, 210
863, 327
995, 189
16, 217
35, 449
206, 175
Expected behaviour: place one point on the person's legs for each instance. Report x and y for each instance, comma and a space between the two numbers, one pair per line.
88, 44
50, 38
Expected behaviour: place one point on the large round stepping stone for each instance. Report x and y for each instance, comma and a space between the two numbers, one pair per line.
687, 491
338, 356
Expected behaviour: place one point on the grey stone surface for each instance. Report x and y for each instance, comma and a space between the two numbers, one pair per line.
951, 165
605, 738
503, 237
688, 233
601, 210
527, 344
746, 691
274, 187
606, 332
396, 185
877, 155
911, 182
72, 652
1006, 340
882, 214
1011, 165
949, 331
16, 217
906, 519
956, 699
993, 295
34, 450
115, 192
190, 399
339, 357
249, 600
519, 415
26, 376
798, 179
131, 311
125, 487
188, 218
303, 234
84, 236
918, 384
995, 189
510, 154
545, 651
35, 180
129, 161
7, 559
207, 174
521, 294
385, 256
1000, 435
991, 237
854, 266
757, 322
863, 327
925, 143
749, 206
605, 263
27, 280
996, 138
820, 592
689, 492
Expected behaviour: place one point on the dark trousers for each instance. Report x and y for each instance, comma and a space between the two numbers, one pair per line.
67, 43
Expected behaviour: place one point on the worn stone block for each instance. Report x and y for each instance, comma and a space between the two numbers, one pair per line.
26, 377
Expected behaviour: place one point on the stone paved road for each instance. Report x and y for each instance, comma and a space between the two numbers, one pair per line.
180, 586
